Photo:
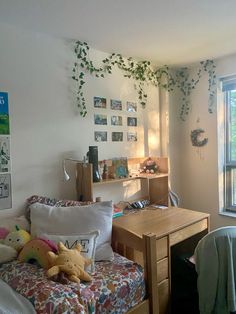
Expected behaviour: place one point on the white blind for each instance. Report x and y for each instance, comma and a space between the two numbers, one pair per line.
229, 83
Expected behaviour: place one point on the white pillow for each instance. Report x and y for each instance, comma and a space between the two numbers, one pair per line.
75, 220
10, 223
7, 253
87, 240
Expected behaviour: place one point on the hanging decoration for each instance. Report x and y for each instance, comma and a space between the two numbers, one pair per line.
195, 134
143, 74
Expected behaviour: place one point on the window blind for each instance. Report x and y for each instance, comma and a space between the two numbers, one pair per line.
229, 83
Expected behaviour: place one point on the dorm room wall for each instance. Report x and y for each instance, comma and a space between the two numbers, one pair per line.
196, 173
45, 124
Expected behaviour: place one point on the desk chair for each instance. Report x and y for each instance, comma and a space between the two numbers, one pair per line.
206, 286
215, 264
184, 294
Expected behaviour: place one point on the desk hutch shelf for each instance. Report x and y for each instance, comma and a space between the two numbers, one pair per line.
157, 184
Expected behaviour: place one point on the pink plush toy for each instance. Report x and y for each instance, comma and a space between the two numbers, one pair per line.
3, 233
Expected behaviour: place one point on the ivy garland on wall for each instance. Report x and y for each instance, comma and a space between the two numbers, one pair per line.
143, 74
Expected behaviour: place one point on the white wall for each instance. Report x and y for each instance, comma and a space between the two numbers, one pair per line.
45, 126
194, 171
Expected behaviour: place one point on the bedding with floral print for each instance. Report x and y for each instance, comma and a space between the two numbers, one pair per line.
116, 287
45, 295
54, 202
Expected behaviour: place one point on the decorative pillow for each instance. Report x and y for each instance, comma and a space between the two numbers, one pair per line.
76, 220
10, 223
54, 202
51, 202
88, 242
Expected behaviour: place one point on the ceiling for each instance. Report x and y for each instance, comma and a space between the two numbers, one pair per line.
170, 32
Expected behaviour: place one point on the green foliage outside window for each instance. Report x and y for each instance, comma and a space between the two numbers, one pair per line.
233, 125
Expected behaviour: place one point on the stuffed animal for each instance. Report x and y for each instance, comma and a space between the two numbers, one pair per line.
69, 261
7, 253
35, 251
3, 233
17, 239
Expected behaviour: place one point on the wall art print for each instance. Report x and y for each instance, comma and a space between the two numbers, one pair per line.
132, 136
100, 136
116, 120
5, 158
4, 114
119, 121
117, 136
100, 119
116, 104
5, 191
120, 166
131, 106
5, 164
99, 102
132, 121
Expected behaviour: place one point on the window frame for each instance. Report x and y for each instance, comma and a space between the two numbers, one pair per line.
229, 164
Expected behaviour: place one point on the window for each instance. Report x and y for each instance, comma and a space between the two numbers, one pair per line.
229, 89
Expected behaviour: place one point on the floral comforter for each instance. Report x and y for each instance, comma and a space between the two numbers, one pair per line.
116, 287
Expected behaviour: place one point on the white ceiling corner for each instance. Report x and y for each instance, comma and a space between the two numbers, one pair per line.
170, 32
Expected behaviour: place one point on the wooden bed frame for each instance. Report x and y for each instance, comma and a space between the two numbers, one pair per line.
138, 249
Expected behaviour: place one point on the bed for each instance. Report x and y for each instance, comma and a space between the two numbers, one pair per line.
118, 286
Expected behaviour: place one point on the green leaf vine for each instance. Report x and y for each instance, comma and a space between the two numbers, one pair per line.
143, 74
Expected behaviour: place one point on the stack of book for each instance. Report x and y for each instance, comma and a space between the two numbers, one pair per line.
117, 212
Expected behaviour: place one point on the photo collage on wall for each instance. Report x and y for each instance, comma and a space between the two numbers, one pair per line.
5, 157
118, 116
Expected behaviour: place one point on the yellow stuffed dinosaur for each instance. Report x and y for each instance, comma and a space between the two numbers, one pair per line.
69, 261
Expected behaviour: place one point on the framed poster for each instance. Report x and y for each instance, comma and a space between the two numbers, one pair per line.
5, 161
5, 164
4, 114
5, 191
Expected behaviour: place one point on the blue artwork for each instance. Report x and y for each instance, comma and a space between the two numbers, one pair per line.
120, 167
4, 103
4, 114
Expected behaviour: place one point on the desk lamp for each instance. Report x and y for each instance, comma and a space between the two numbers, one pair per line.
66, 175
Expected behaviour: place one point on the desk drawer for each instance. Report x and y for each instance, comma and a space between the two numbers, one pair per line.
162, 269
188, 231
161, 248
163, 295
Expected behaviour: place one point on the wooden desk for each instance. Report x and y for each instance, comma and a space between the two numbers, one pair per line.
171, 227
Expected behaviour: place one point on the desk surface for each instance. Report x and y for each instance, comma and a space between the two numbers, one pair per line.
171, 226
161, 222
